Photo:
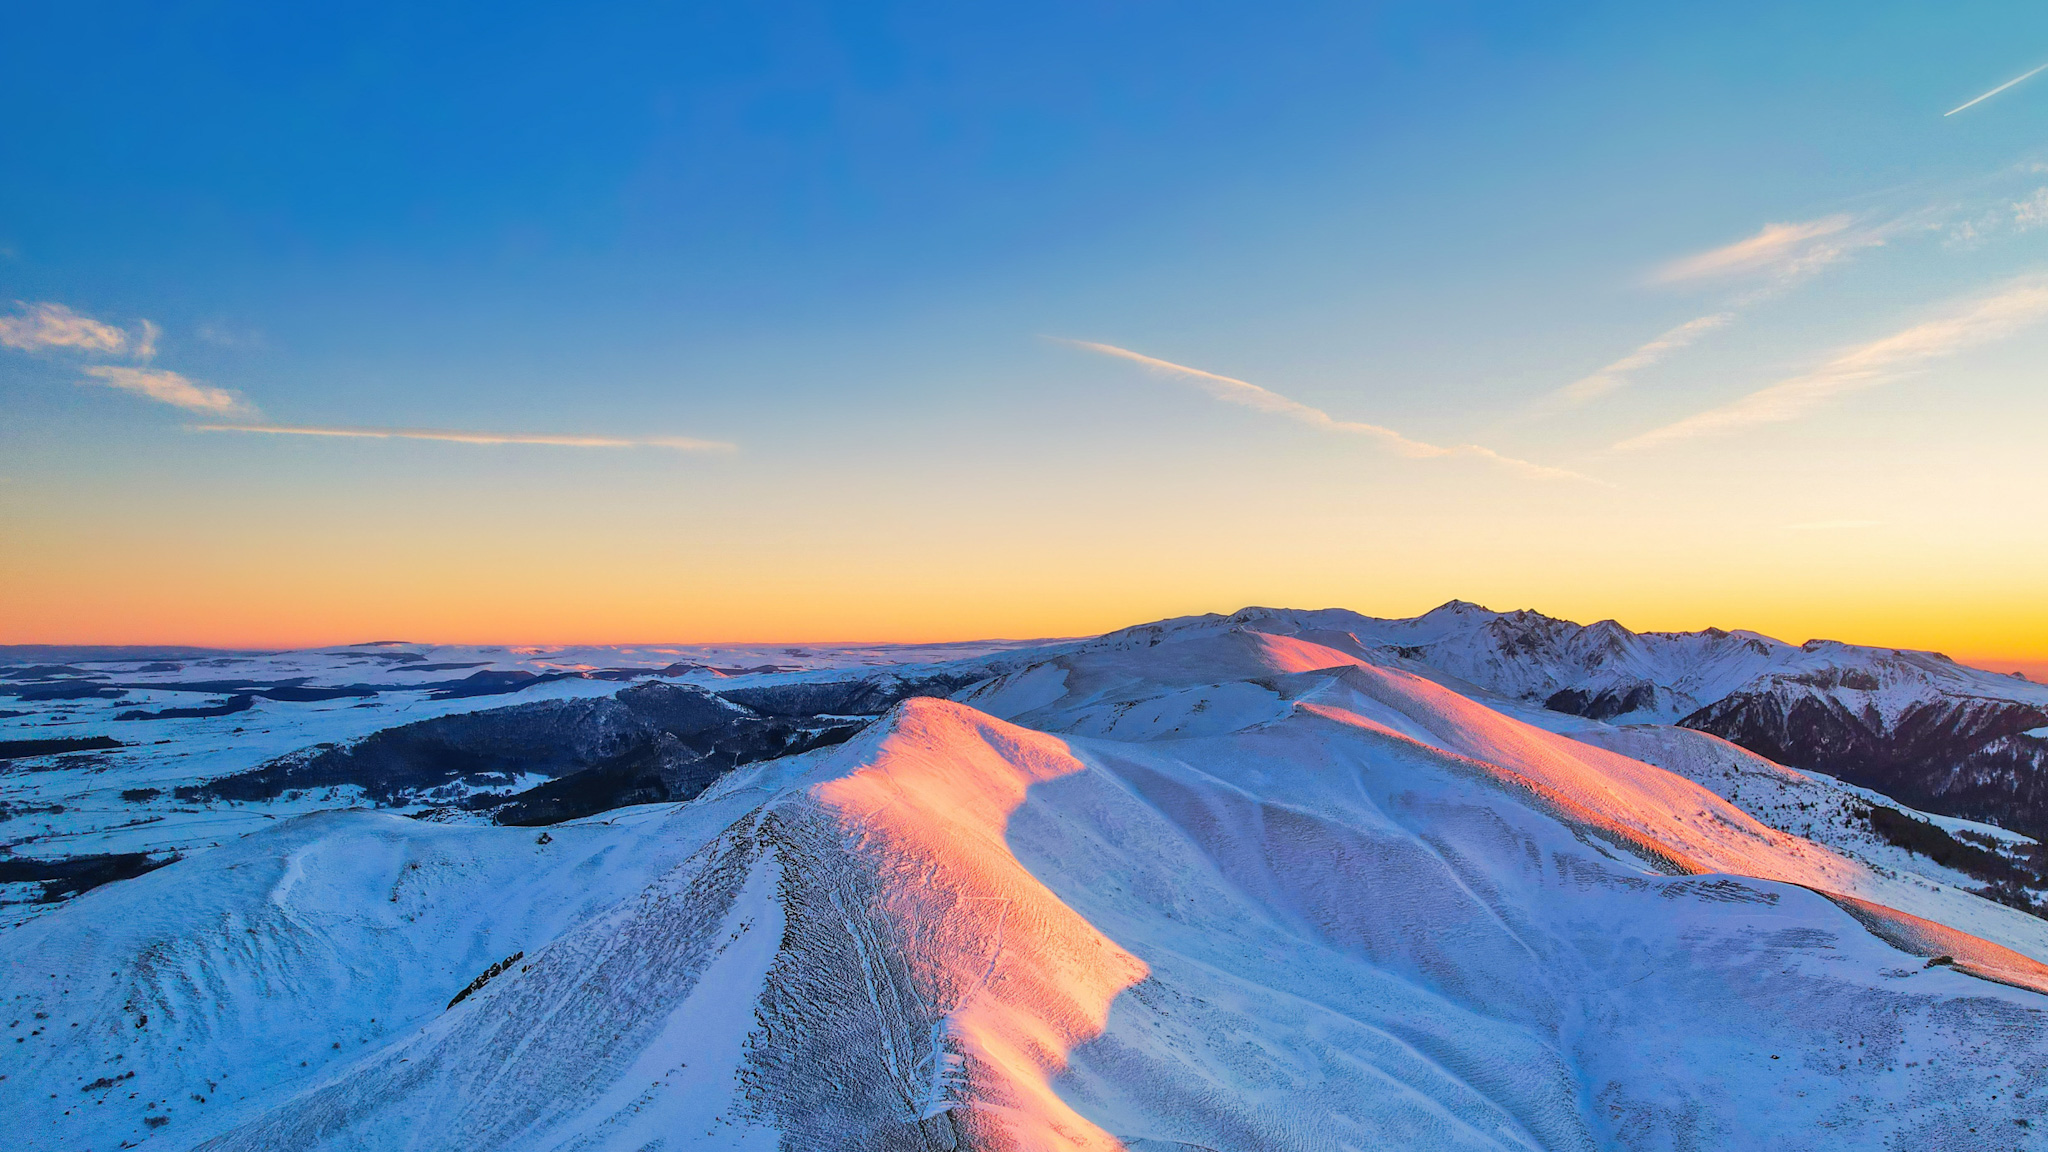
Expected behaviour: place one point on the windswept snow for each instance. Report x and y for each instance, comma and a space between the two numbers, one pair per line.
1196, 886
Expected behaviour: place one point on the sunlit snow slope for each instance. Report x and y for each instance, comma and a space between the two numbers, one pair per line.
1205, 888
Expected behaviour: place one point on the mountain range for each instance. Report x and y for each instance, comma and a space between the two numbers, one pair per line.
1915, 725
1277, 879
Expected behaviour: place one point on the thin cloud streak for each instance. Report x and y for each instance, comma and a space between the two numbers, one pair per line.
1784, 253
1785, 249
1616, 375
170, 388
1983, 321
1996, 91
677, 443
1244, 393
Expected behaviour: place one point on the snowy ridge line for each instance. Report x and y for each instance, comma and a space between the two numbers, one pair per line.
1201, 887
1550, 800
1908, 933
1821, 809
1916, 726
1919, 937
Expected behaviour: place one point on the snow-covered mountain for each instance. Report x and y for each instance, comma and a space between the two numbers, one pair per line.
1252, 882
1915, 725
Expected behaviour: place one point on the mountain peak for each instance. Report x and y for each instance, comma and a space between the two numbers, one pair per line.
1457, 608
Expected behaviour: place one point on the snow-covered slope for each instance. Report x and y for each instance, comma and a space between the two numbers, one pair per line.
1829, 812
1915, 725
1212, 888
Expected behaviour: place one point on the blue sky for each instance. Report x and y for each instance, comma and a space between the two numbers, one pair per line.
817, 263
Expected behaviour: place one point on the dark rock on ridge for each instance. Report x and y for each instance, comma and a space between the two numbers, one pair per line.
68, 690
228, 707
10, 749
298, 694
72, 875
1959, 756
651, 743
704, 735
1604, 704
2007, 880
670, 770
553, 737
865, 696
490, 683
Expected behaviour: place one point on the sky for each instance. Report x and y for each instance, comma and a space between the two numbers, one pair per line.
914, 321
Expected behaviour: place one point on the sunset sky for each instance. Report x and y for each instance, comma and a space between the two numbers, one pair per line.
657, 322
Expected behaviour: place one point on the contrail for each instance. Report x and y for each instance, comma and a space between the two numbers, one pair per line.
1997, 90
1231, 390
679, 443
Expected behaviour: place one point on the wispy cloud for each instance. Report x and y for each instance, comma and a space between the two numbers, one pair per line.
2031, 212
1616, 375
169, 388
677, 443
1779, 254
1981, 321
225, 336
1781, 250
40, 327
1970, 227
1231, 390
1996, 91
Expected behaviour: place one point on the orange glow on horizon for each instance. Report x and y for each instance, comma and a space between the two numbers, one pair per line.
255, 614
549, 570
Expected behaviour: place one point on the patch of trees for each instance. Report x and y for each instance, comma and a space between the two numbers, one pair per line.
2007, 880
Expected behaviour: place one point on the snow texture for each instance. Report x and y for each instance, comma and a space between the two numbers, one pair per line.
1199, 885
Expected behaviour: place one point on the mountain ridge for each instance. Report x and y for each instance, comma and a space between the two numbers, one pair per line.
1916, 725
1232, 889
